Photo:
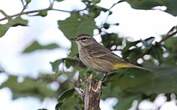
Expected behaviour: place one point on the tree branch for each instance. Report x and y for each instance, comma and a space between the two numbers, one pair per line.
35, 11
169, 34
92, 94
6, 16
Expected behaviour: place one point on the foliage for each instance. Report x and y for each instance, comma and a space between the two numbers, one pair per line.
18, 21
69, 97
28, 87
34, 46
149, 4
126, 85
73, 26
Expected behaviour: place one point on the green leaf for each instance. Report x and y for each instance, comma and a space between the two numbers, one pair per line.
76, 63
55, 65
28, 87
130, 84
130, 44
69, 97
163, 82
95, 2
144, 4
42, 13
130, 78
28, 1
73, 50
95, 10
133, 54
125, 101
77, 24
110, 40
3, 29
157, 51
66, 94
128, 52
149, 4
171, 7
42, 109
171, 47
59, 0
49, 77
158, 80
18, 21
170, 44
37, 46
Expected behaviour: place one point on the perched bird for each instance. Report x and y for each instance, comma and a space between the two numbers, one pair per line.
97, 57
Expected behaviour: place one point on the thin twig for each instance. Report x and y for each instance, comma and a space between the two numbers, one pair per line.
35, 11
170, 33
115, 4
6, 16
23, 3
51, 3
23, 9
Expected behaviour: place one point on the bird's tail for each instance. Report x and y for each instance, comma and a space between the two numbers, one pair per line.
128, 65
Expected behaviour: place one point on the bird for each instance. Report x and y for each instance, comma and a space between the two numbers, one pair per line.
97, 57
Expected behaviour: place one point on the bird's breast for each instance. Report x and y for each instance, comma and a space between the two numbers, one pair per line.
94, 62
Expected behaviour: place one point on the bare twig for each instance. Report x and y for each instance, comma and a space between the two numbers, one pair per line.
23, 3
113, 5
170, 33
35, 11
51, 3
24, 7
6, 16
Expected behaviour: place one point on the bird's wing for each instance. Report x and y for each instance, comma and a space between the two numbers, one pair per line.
105, 54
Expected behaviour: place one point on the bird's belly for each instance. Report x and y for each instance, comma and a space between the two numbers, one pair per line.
87, 61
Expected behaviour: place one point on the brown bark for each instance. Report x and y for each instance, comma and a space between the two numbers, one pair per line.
92, 94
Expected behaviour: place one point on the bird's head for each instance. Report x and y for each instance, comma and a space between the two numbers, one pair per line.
85, 40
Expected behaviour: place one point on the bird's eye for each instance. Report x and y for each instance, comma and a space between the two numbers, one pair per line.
83, 39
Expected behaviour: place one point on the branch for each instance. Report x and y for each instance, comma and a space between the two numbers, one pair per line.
169, 34
92, 94
35, 11
6, 16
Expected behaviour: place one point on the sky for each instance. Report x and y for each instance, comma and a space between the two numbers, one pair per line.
134, 24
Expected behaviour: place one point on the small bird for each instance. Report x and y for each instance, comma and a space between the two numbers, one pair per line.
99, 58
